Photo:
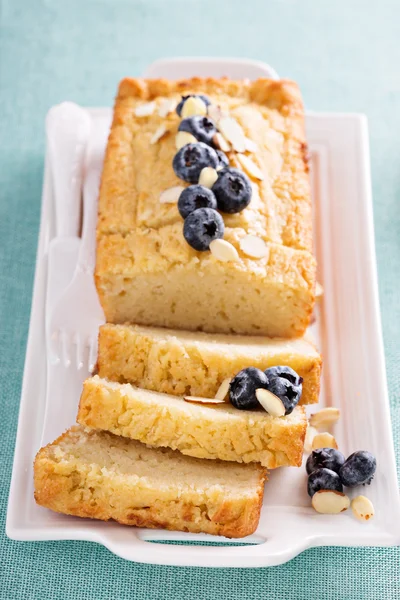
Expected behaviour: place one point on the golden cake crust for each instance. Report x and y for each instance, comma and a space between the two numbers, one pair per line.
178, 362
218, 432
271, 112
86, 488
140, 245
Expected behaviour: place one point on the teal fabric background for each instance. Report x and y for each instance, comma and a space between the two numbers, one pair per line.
346, 57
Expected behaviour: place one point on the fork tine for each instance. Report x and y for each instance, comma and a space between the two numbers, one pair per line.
79, 351
64, 338
54, 348
92, 353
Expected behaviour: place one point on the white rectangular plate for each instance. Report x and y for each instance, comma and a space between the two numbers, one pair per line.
349, 335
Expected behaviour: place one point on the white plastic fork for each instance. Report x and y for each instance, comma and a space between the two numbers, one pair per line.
77, 315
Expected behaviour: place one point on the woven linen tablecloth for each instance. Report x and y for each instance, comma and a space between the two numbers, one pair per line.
346, 57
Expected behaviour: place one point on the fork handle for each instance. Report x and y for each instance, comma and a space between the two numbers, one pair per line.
92, 173
87, 251
67, 130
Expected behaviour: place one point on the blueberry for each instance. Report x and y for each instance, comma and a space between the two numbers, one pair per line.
242, 389
328, 458
203, 226
202, 128
223, 160
206, 101
285, 372
191, 159
358, 469
194, 197
232, 190
289, 393
323, 479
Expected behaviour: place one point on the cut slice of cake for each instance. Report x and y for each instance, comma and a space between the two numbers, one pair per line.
101, 476
213, 432
179, 362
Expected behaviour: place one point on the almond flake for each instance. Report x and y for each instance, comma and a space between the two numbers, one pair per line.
158, 134
250, 146
325, 418
250, 167
208, 176
253, 246
167, 106
233, 133
362, 508
271, 403
145, 110
310, 434
319, 291
255, 196
233, 162
330, 502
324, 440
223, 389
274, 140
171, 195
223, 250
184, 137
199, 400
221, 143
193, 106
215, 112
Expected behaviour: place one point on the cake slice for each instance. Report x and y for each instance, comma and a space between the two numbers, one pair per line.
101, 476
214, 432
179, 362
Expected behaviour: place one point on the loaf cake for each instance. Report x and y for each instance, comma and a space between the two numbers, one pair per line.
214, 432
101, 476
147, 273
179, 362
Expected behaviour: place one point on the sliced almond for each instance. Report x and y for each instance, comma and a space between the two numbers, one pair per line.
224, 251
193, 106
208, 176
184, 137
271, 403
223, 389
221, 143
232, 131
233, 162
324, 440
171, 195
330, 502
199, 400
167, 106
310, 434
325, 418
362, 508
319, 291
253, 246
216, 113
250, 146
274, 140
158, 134
145, 110
255, 196
250, 167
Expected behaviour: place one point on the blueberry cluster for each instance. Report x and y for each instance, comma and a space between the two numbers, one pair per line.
281, 381
328, 469
197, 204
